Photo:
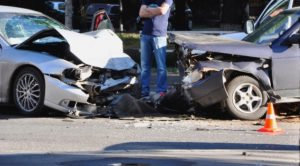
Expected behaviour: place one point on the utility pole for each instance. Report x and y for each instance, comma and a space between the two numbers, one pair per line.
69, 13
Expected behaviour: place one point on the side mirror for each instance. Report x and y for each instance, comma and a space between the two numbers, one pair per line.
294, 39
249, 26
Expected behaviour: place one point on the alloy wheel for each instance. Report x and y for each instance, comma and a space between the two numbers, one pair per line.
28, 92
247, 98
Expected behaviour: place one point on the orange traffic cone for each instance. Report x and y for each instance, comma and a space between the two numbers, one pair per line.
270, 122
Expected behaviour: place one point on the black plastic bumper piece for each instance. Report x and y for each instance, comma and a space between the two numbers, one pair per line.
208, 91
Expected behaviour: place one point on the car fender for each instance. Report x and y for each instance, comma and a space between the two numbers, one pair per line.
257, 69
46, 63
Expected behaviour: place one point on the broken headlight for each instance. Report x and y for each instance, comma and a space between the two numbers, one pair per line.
193, 76
80, 74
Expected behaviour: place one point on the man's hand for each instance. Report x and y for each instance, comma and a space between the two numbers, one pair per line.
146, 12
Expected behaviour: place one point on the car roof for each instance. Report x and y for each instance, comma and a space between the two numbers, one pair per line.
11, 9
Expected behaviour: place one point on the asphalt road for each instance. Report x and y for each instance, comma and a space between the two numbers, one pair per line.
57, 140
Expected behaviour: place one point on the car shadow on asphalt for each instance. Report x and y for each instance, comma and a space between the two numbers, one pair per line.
153, 146
11, 112
125, 154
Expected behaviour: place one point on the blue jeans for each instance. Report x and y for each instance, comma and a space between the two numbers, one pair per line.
152, 46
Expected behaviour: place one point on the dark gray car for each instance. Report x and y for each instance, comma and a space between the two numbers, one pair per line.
244, 75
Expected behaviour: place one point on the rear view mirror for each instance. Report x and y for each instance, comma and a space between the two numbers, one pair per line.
249, 26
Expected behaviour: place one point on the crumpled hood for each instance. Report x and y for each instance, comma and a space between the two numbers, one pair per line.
104, 49
220, 45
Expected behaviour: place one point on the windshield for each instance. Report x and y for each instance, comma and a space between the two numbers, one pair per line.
272, 29
16, 28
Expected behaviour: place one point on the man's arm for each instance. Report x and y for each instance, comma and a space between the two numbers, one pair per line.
146, 12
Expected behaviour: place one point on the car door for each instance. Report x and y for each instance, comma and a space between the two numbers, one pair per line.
101, 21
2, 71
286, 70
115, 16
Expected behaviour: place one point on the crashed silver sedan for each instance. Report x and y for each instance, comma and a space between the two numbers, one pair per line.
242, 76
42, 63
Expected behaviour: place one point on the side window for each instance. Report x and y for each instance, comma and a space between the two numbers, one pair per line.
274, 10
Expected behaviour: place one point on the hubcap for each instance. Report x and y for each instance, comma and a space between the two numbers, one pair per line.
28, 92
247, 98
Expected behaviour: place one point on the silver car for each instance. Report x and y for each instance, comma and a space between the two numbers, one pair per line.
242, 76
42, 63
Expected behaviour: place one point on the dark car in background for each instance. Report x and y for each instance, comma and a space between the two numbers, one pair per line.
112, 10
180, 21
56, 9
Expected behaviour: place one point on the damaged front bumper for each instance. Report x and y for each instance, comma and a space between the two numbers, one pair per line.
84, 97
61, 96
207, 91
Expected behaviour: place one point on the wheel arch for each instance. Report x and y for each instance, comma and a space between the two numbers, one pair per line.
14, 75
230, 74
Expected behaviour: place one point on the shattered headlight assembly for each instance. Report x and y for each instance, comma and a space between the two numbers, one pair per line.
198, 74
193, 77
79, 74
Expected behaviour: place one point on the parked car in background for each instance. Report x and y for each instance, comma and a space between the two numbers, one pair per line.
187, 16
273, 8
46, 64
57, 6
55, 9
243, 75
112, 10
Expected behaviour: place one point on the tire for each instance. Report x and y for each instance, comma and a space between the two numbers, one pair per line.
246, 99
29, 91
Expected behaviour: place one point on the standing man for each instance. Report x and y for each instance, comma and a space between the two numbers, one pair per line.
154, 43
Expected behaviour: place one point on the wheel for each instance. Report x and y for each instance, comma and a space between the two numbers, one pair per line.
29, 91
246, 99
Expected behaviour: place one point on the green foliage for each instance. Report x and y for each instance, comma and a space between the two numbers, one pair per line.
130, 40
